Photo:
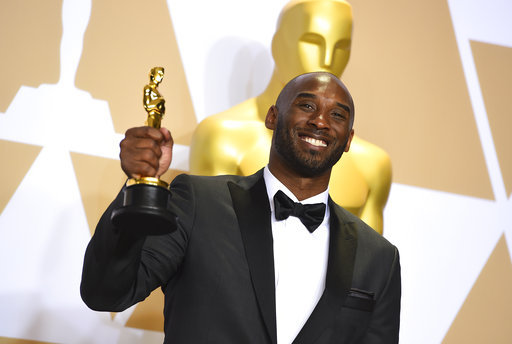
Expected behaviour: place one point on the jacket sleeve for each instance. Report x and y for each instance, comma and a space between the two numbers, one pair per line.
385, 322
123, 266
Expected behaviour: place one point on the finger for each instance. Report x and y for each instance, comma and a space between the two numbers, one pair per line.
150, 145
139, 156
145, 132
168, 139
136, 169
142, 138
165, 133
166, 149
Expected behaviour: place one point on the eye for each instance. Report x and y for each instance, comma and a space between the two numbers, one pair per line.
306, 106
339, 115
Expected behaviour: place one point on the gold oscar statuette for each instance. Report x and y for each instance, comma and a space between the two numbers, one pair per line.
146, 198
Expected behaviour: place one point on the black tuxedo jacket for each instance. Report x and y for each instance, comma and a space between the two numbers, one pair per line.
217, 270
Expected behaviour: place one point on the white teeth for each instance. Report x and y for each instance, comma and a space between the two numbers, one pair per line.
315, 142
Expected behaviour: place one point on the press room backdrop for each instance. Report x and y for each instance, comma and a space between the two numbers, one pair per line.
432, 82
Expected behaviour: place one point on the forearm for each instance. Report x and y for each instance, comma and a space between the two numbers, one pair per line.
111, 266
122, 266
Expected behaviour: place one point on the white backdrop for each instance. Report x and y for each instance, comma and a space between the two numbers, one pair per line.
44, 231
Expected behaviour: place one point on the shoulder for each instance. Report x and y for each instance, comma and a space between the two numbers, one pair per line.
244, 111
221, 141
215, 183
372, 161
207, 181
363, 149
243, 116
368, 239
365, 153
238, 114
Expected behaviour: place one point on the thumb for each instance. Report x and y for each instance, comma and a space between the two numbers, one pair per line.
166, 147
168, 140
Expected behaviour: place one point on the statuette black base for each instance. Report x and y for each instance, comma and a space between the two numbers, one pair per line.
145, 209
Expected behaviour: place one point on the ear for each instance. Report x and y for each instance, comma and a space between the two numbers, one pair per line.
271, 119
347, 147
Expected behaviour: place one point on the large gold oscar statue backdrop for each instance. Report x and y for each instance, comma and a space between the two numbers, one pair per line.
311, 35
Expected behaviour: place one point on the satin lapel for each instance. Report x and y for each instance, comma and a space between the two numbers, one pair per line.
340, 268
251, 206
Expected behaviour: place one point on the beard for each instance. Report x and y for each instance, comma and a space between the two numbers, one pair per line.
308, 163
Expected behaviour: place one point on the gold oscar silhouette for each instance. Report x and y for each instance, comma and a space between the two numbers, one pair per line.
146, 198
311, 35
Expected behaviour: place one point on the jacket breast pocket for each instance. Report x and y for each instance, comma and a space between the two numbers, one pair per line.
352, 321
360, 299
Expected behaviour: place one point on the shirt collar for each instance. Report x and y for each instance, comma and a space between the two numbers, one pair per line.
273, 185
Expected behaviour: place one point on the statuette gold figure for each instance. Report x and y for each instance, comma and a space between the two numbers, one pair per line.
153, 101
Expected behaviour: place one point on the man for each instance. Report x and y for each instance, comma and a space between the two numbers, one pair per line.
245, 264
311, 35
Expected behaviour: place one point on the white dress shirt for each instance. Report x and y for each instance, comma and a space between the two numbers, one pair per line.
300, 263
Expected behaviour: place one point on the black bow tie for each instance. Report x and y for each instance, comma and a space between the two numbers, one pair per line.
311, 215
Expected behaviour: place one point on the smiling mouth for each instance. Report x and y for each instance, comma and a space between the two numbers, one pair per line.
314, 142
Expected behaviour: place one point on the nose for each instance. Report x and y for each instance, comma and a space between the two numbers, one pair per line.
320, 120
328, 55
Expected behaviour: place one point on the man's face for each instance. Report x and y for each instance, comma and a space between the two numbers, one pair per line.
313, 126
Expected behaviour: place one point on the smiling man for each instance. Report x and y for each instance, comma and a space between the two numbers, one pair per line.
267, 258
317, 112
